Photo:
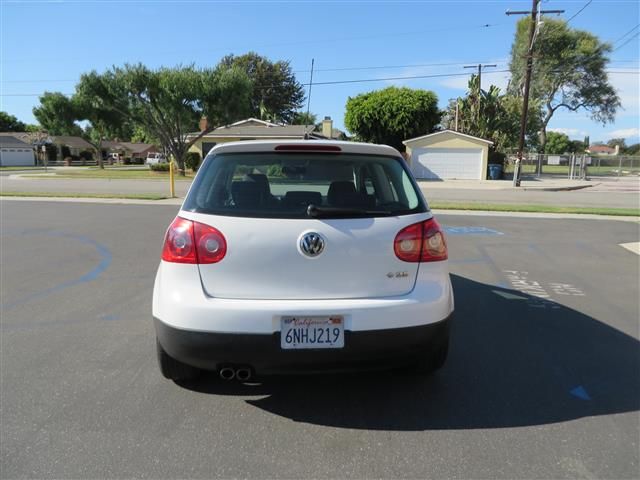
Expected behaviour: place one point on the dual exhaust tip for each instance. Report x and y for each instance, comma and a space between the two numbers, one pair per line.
242, 374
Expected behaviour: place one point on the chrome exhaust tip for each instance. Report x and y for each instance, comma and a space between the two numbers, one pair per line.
227, 373
243, 374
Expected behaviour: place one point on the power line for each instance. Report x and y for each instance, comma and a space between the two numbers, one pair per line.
626, 34
377, 67
363, 80
580, 11
342, 40
334, 82
628, 40
382, 67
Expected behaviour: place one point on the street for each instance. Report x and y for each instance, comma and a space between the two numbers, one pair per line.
606, 192
542, 379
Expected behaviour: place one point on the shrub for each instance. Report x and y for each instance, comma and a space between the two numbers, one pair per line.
86, 154
192, 161
160, 167
275, 171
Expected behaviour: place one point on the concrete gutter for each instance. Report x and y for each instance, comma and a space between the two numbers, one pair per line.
571, 216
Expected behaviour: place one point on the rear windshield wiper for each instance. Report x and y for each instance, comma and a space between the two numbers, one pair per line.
316, 211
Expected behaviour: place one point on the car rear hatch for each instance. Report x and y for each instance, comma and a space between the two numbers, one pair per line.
265, 259
306, 225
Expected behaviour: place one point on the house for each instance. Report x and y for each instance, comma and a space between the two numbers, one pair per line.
254, 129
71, 146
15, 152
136, 151
448, 155
603, 150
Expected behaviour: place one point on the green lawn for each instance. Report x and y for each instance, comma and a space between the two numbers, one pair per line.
8, 169
114, 174
496, 207
564, 170
133, 196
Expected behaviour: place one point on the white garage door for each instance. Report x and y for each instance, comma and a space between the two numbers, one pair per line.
447, 163
11, 157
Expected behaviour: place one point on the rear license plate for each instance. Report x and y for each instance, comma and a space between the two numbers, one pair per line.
311, 332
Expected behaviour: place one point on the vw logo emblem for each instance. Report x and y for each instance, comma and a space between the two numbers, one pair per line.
312, 244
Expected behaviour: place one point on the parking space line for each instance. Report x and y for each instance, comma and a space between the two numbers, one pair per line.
632, 247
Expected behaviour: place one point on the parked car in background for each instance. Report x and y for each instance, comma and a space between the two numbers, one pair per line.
302, 257
155, 158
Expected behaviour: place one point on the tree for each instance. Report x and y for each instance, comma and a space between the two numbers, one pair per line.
57, 114
9, 123
304, 118
488, 114
169, 102
392, 115
276, 95
568, 71
577, 146
633, 149
557, 143
620, 142
108, 120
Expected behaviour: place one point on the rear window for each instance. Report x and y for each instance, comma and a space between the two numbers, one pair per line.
285, 185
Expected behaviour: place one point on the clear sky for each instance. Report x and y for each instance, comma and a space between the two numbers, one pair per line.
46, 45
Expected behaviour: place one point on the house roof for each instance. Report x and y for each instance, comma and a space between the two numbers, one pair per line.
7, 141
133, 147
71, 141
251, 120
137, 147
336, 134
270, 130
464, 135
27, 137
601, 149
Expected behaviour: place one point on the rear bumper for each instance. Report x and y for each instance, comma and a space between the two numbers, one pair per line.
369, 349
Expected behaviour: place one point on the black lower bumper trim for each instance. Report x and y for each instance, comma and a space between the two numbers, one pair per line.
363, 350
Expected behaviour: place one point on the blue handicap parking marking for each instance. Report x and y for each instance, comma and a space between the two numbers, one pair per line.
471, 231
580, 393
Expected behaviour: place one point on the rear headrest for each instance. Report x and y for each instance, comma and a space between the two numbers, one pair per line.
302, 198
247, 194
261, 179
341, 193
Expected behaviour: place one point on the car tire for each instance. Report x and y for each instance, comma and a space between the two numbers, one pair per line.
172, 368
434, 359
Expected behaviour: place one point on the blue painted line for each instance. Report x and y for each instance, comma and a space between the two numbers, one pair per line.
471, 231
580, 393
105, 261
109, 318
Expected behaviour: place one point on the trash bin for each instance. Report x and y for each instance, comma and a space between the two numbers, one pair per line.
495, 171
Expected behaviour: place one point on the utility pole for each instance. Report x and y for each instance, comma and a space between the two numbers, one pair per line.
306, 135
457, 110
535, 11
480, 66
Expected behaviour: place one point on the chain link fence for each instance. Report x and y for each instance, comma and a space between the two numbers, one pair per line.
574, 166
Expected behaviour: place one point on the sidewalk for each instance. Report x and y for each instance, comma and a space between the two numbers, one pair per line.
543, 184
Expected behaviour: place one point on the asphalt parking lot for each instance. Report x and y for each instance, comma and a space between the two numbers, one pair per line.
543, 378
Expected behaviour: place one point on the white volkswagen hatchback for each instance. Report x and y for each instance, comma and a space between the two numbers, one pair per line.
300, 257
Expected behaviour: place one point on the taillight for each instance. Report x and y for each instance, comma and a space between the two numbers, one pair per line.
421, 242
187, 241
